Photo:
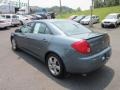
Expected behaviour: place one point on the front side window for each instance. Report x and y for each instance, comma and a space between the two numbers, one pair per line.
26, 29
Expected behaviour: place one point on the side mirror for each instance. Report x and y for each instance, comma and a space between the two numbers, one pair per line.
18, 30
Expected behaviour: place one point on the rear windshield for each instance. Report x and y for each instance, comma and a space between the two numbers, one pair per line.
71, 28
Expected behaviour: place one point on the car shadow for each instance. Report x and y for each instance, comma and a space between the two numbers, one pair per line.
4, 29
97, 80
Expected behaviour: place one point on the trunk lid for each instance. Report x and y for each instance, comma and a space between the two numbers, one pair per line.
97, 41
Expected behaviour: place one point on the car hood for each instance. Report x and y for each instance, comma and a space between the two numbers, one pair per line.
109, 20
86, 35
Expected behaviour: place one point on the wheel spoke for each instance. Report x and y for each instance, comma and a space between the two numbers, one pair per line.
58, 68
54, 65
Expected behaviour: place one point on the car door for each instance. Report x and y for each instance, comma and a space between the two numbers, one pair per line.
39, 40
21, 37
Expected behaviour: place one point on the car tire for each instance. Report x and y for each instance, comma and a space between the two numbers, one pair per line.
14, 45
115, 25
21, 23
102, 26
55, 65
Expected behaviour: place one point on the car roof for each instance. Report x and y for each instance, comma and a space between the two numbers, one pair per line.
8, 14
51, 20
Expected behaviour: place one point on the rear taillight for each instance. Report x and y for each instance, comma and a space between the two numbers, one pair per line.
82, 47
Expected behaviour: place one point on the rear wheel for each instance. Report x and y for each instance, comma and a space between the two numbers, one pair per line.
115, 25
14, 45
55, 66
21, 23
102, 26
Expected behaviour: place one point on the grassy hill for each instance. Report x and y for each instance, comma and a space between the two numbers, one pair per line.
101, 12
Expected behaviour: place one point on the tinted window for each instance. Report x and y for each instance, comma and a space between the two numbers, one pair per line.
7, 16
14, 16
70, 27
118, 16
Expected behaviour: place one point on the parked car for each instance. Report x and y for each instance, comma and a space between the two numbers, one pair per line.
45, 14
72, 17
64, 45
87, 20
79, 18
37, 17
29, 17
4, 23
111, 20
23, 19
12, 19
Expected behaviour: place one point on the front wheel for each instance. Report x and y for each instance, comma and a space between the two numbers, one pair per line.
14, 45
55, 66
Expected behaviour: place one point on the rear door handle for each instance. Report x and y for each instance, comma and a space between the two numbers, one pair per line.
44, 40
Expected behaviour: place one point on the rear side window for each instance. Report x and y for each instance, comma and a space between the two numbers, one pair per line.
14, 16
41, 28
7, 16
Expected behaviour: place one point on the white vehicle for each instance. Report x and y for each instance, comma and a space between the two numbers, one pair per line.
87, 20
12, 19
111, 20
4, 23
23, 19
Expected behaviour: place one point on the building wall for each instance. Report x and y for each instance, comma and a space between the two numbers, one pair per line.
14, 3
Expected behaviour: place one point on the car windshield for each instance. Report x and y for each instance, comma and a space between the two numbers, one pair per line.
79, 17
111, 17
71, 28
88, 17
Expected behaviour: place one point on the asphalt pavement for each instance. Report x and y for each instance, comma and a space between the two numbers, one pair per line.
20, 71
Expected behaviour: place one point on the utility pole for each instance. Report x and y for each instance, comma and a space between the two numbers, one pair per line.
60, 6
19, 4
91, 8
28, 6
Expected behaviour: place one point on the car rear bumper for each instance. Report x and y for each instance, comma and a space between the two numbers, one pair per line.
87, 64
84, 23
